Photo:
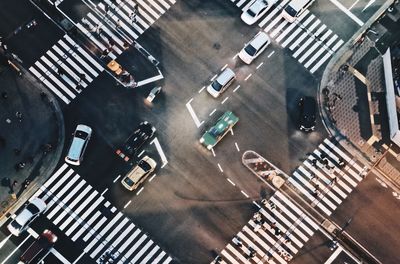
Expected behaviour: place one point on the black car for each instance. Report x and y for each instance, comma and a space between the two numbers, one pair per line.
135, 141
308, 110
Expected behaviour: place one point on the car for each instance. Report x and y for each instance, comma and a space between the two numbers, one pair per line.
153, 93
39, 248
255, 10
139, 173
254, 47
21, 222
221, 83
78, 145
140, 135
308, 109
212, 136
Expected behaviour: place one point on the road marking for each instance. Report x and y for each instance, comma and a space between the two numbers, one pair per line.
59, 256
334, 255
213, 152
213, 111
353, 4
160, 151
223, 101
193, 114
347, 12
102, 194
234, 57
237, 87
78, 258
215, 76
259, 65
128, 203
152, 177
256, 204
368, 5
271, 53
116, 179
223, 68
15, 250
141, 189
231, 131
245, 194
202, 88
237, 147
229, 180
248, 76
141, 153
220, 168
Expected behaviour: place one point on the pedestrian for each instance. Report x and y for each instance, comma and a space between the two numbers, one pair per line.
132, 16
126, 45
287, 239
17, 151
19, 116
323, 156
273, 225
21, 165
98, 29
82, 76
104, 54
106, 8
43, 95
119, 24
316, 190
26, 183
4, 95
14, 184
314, 163
111, 43
277, 231
334, 181
312, 176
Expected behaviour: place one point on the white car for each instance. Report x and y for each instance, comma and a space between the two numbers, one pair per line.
255, 10
254, 47
22, 221
79, 143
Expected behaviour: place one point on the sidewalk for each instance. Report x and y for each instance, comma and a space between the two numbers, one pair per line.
352, 93
31, 124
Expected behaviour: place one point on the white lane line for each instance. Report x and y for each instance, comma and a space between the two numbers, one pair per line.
141, 189
128, 203
202, 88
140, 154
213, 111
220, 168
213, 152
15, 250
229, 180
59, 256
152, 177
334, 255
223, 68
237, 147
234, 57
78, 258
248, 76
116, 179
272, 53
193, 114
368, 5
259, 65
160, 151
347, 12
231, 131
223, 101
353, 4
237, 87
215, 76
102, 194
245, 194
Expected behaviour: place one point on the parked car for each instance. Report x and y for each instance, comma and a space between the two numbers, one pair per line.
140, 135
139, 173
78, 146
21, 222
39, 248
255, 10
308, 109
254, 47
212, 136
221, 83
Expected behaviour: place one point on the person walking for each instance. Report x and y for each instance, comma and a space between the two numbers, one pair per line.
19, 116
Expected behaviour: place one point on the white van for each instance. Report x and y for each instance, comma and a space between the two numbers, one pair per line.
295, 8
254, 47
79, 143
222, 82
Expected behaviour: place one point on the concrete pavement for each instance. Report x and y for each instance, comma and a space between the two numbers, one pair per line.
32, 137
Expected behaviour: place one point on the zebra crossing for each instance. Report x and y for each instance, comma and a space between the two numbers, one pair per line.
85, 216
309, 40
66, 69
276, 232
327, 176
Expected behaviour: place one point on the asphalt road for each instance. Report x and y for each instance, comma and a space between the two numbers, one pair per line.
190, 208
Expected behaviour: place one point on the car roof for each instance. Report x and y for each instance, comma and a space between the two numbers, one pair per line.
257, 5
23, 217
225, 76
84, 128
259, 40
76, 148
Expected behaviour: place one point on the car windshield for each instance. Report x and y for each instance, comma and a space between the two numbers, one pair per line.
33, 209
216, 85
290, 11
144, 165
250, 50
81, 134
128, 181
215, 132
251, 13
16, 225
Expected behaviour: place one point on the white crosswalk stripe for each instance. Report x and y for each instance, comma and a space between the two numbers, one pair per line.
310, 41
85, 215
280, 228
66, 69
